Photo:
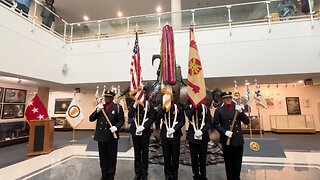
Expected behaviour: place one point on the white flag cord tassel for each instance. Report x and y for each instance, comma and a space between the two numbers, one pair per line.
174, 120
202, 123
145, 119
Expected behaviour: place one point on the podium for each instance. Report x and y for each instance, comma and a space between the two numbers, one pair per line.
40, 137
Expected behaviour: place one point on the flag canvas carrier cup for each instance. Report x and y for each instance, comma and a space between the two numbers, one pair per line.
197, 137
170, 136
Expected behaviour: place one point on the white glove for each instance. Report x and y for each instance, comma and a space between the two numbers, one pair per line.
238, 108
199, 133
99, 107
170, 131
140, 128
113, 129
229, 134
135, 104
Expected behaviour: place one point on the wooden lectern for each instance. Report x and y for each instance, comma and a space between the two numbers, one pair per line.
40, 137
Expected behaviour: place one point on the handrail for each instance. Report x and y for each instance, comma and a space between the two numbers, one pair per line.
230, 22
172, 12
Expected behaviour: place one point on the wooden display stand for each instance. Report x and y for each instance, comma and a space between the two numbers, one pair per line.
40, 137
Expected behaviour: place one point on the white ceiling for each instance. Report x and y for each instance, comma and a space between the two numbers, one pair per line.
74, 10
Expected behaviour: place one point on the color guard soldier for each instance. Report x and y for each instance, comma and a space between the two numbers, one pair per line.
140, 131
104, 134
198, 138
222, 121
170, 138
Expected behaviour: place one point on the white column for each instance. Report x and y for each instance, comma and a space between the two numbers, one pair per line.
176, 18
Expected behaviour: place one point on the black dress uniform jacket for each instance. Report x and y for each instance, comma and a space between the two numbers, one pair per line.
191, 111
116, 117
150, 115
222, 122
180, 119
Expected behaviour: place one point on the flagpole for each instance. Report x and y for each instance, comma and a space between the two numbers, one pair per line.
169, 118
250, 128
73, 135
197, 119
138, 116
260, 121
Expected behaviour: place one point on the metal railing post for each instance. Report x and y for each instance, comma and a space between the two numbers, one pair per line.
34, 17
269, 16
159, 27
311, 14
229, 20
71, 35
64, 34
192, 12
128, 30
99, 32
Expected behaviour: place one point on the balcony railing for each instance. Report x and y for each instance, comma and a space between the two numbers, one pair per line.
226, 16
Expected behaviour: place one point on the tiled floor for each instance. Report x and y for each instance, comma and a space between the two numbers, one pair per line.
74, 162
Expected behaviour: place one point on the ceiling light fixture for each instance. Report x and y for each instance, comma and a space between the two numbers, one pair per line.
120, 14
78, 24
159, 9
86, 18
301, 81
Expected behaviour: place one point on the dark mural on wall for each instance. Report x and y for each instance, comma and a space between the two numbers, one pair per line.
15, 95
12, 111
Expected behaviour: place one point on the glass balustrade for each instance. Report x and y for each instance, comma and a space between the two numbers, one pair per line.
245, 13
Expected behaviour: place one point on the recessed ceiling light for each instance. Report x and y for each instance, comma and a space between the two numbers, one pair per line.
159, 9
300, 81
86, 18
120, 14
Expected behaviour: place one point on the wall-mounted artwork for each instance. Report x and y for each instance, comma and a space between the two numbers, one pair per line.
15, 95
307, 103
293, 105
12, 111
61, 105
270, 103
1, 94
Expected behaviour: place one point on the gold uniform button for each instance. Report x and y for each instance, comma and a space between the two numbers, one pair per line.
237, 131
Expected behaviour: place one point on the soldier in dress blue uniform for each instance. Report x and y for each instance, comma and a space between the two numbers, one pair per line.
222, 121
198, 139
170, 138
107, 144
141, 133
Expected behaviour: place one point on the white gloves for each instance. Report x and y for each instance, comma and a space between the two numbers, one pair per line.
229, 134
99, 107
170, 131
140, 128
113, 129
198, 133
238, 108
135, 104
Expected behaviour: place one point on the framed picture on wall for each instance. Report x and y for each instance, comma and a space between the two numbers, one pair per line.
61, 105
1, 94
15, 95
12, 111
293, 105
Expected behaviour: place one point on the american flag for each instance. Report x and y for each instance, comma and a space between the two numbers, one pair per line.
136, 85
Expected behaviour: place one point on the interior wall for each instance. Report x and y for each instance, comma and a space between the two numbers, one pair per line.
279, 98
85, 101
